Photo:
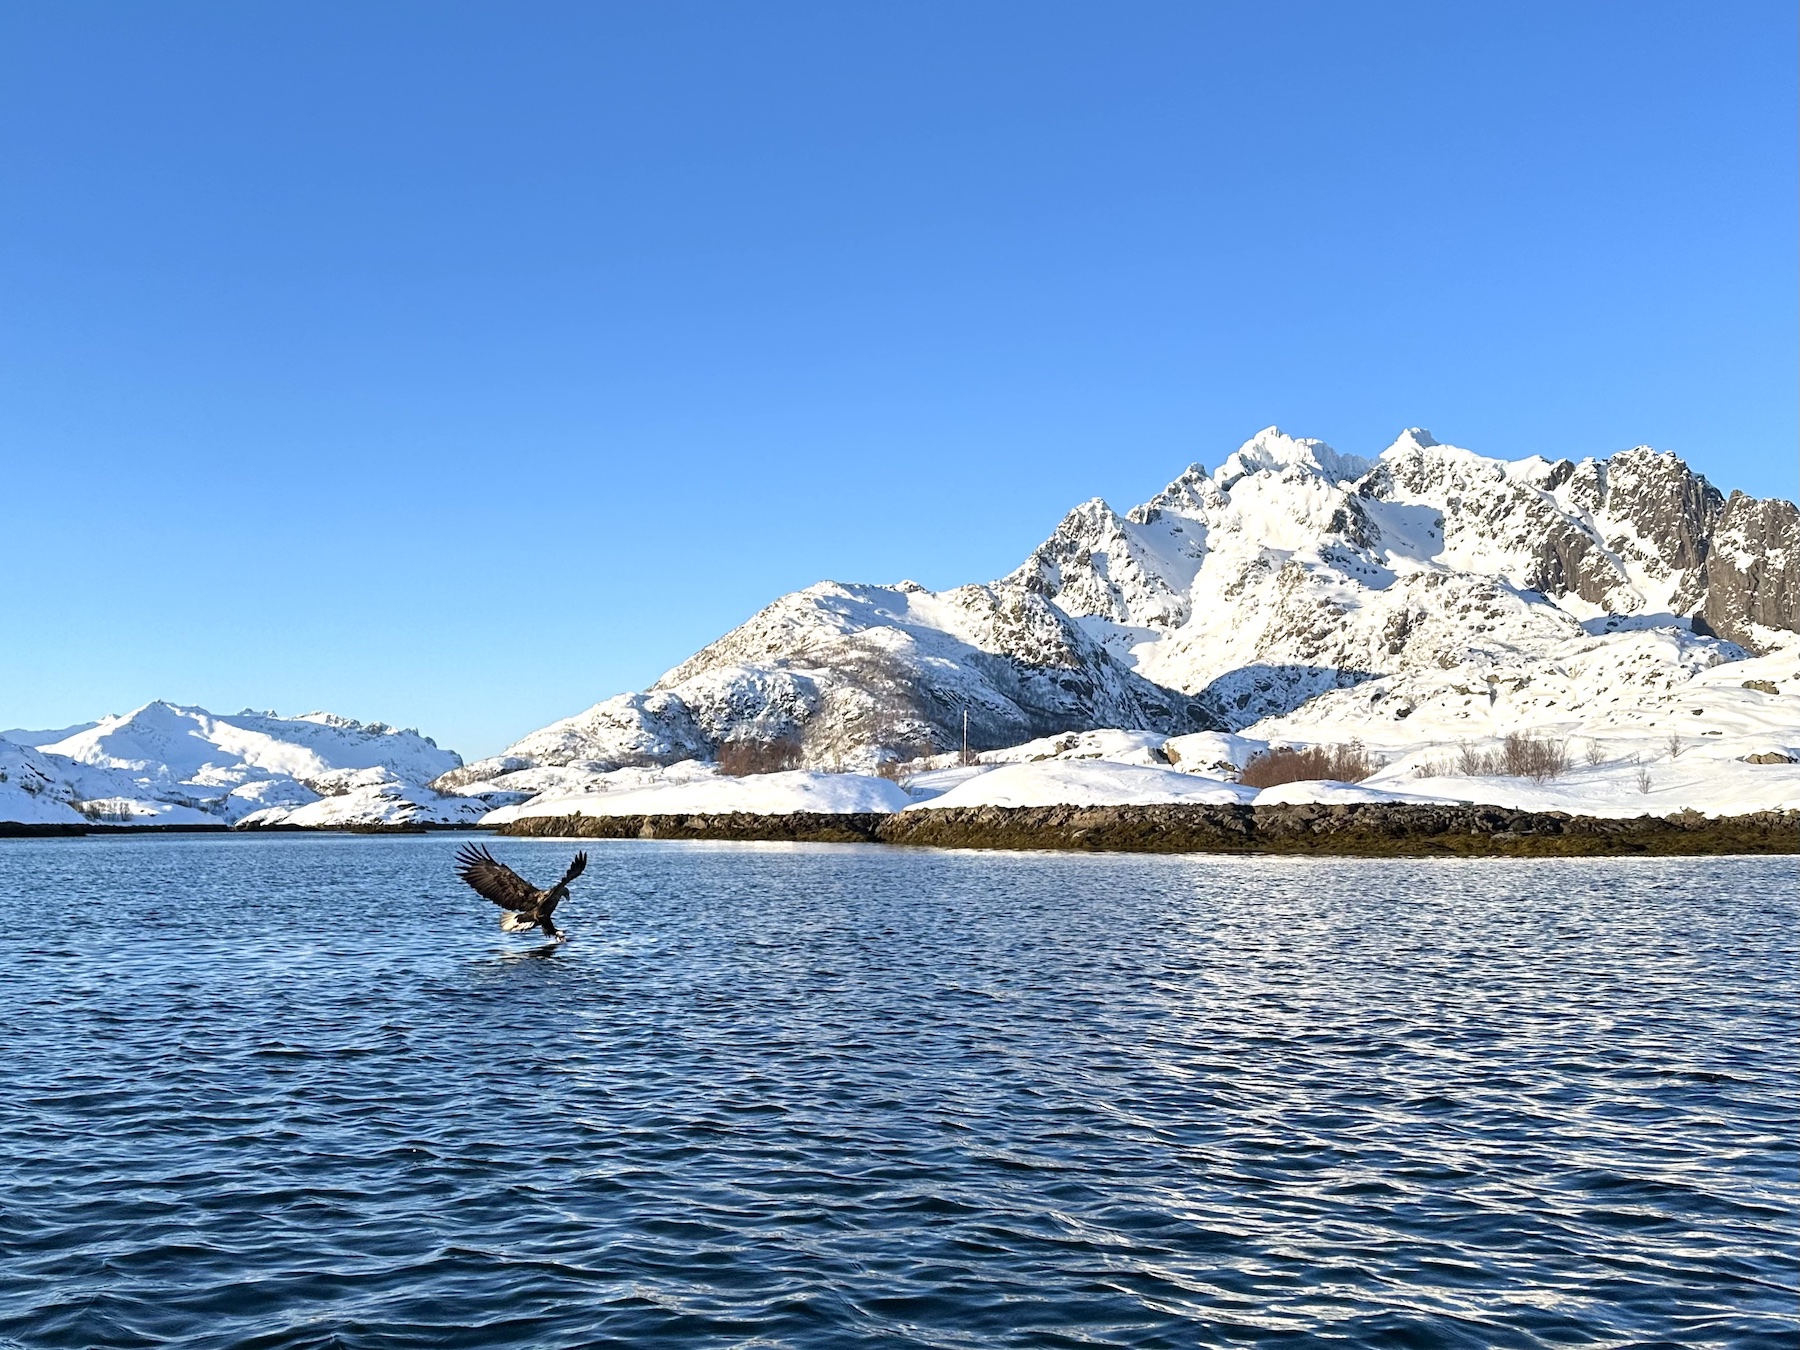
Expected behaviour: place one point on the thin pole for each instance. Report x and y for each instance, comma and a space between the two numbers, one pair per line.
965, 758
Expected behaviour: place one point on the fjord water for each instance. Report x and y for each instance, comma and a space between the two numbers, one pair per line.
300, 1091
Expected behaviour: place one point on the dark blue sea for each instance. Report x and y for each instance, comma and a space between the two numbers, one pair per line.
301, 1091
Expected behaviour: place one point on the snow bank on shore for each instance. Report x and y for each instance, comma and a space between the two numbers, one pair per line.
1633, 776
385, 804
1084, 782
1710, 786
766, 794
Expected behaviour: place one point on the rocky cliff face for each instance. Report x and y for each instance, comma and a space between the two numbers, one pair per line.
1291, 572
1752, 587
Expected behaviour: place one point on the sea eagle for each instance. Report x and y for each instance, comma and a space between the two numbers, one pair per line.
526, 906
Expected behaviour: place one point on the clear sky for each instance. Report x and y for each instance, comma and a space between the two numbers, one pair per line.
459, 365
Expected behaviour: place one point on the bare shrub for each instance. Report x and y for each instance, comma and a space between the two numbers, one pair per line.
1534, 757
1675, 745
1643, 778
741, 758
1284, 764
106, 810
1520, 754
1595, 755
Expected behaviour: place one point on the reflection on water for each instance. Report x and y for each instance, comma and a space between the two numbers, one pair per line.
542, 951
300, 1091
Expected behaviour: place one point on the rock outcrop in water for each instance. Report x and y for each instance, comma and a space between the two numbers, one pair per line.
1362, 829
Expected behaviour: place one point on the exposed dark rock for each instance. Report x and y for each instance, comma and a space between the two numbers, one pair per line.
1377, 829
1374, 829
1671, 507
1753, 569
1659, 513
1571, 561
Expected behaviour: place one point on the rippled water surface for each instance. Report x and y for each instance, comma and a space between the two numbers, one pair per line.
301, 1091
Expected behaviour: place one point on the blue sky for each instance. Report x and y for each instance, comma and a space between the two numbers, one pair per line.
460, 365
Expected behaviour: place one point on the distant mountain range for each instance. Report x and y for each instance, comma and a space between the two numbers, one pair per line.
168, 765
1294, 591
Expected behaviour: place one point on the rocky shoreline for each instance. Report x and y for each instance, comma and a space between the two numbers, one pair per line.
1360, 830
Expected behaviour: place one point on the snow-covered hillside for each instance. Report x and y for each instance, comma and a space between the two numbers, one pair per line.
1294, 593
164, 764
31, 792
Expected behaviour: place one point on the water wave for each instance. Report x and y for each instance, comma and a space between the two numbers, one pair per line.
297, 1091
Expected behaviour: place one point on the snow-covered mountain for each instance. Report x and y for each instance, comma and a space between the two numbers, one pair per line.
1291, 578
164, 764
848, 672
1425, 597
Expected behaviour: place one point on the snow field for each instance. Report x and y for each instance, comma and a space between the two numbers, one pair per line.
718, 794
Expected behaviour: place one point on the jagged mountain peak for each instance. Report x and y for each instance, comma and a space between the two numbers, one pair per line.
1416, 438
1273, 451
1291, 571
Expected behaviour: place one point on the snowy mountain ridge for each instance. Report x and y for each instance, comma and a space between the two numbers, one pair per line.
166, 764
1426, 577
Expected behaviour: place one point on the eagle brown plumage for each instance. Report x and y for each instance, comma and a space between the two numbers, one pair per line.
526, 906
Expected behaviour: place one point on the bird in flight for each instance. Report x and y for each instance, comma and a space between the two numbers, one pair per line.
526, 906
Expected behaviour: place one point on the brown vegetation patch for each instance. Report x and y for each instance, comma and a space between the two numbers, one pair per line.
1284, 764
742, 758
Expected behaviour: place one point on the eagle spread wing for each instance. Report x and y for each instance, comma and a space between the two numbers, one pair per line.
560, 892
496, 881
